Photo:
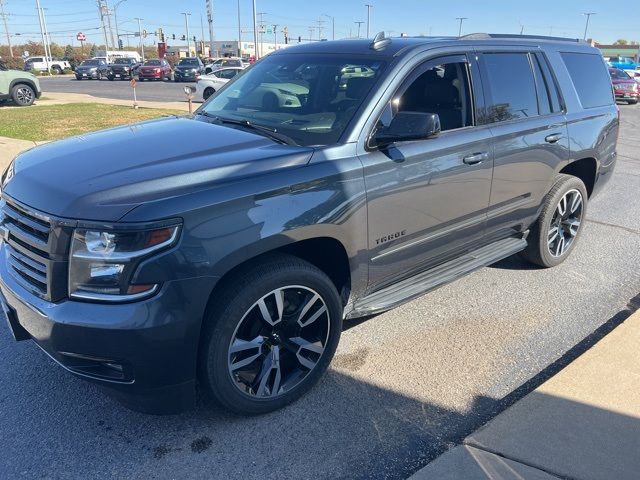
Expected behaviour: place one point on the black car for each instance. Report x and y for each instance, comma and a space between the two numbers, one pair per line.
330, 180
120, 69
188, 69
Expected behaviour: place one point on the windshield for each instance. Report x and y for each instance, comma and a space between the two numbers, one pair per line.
189, 61
618, 74
123, 61
309, 98
90, 63
153, 63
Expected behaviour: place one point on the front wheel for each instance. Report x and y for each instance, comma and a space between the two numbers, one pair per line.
23, 95
269, 335
208, 92
555, 233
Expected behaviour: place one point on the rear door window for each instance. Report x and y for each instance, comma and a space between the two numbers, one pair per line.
511, 87
590, 78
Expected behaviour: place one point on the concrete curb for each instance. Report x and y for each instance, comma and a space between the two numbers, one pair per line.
583, 423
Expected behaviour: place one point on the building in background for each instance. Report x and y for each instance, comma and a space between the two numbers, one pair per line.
225, 48
629, 51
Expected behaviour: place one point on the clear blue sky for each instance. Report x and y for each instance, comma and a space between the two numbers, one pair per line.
415, 17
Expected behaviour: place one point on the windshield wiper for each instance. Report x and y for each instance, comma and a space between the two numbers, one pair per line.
269, 132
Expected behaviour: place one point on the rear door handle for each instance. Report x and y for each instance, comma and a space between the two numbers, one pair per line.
553, 138
476, 158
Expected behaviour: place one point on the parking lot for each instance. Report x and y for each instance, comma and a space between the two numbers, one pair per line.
119, 89
403, 387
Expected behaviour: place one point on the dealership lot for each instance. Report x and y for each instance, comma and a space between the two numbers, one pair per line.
118, 89
403, 387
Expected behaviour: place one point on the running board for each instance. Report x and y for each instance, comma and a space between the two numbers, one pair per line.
424, 282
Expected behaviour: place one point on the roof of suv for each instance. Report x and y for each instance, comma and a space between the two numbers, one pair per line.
389, 47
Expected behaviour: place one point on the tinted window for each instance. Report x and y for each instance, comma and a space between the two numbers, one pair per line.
618, 74
589, 76
91, 63
302, 96
153, 63
444, 89
189, 61
511, 87
228, 73
552, 87
123, 61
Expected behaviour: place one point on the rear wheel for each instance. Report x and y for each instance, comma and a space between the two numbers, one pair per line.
23, 95
208, 92
56, 69
269, 336
555, 233
632, 102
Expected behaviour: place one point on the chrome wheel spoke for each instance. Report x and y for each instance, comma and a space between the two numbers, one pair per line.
264, 310
576, 203
270, 376
566, 223
560, 246
304, 349
553, 234
243, 346
573, 225
562, 206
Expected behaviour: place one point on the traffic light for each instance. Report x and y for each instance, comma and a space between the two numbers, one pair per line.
161, 34
173, 36
194, 39
183, 37
299, 39
120, 44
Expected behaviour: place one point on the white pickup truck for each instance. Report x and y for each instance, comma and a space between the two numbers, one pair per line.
40, 64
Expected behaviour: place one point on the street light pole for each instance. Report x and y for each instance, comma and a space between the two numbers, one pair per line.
275, 37
586, 27
239, 33
140, 34
462, 19
368, 19
44, 40
255, 32
186, 24
333, 25
358, 23
115, 19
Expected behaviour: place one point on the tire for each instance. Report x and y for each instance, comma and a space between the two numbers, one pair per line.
57, 69
553, 236
98, 76
111, 78
232, 379
78, 77
208, 92
23, 95
632, 102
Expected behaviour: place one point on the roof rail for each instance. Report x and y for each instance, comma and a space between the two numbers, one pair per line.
515, 36
379, 42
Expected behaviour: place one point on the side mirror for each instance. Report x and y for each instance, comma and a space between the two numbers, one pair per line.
407, 126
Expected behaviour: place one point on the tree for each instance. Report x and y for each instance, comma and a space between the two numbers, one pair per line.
68, 51
621, 41
34, 48
56, 50
94, 50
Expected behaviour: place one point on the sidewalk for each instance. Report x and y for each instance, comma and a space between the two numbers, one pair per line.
582, 424
57, 98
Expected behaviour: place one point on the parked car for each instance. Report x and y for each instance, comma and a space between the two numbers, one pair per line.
121, 69
222, 63
188, 69
40, 64
623, 63
156, 69
207, 85
224, 249
90, 69
624, 86
22, 88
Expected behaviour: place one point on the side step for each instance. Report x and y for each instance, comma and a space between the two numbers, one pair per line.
424, 282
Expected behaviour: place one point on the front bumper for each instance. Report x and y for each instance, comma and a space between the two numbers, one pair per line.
626, 95
185, 76
154, 75
87, 74
144, 353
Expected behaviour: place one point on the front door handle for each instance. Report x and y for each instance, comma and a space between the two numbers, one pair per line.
553, 138
476, 158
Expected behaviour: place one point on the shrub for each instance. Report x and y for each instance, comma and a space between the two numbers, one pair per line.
13, 63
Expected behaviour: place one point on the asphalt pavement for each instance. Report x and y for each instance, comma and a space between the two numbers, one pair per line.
157, 91
403, 387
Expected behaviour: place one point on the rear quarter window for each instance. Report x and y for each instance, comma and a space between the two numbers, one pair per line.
590, 78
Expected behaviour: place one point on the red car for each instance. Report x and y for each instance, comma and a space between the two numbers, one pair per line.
625, 87
155, 70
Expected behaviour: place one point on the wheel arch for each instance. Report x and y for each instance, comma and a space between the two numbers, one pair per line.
585, 169
23, 81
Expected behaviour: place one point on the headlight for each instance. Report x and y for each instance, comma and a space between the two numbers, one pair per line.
103, 262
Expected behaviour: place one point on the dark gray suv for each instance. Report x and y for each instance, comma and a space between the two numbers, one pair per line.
330, 180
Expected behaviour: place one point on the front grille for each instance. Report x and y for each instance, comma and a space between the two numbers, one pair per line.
36, 249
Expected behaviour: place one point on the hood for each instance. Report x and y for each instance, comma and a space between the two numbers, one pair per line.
103, 175
87, 67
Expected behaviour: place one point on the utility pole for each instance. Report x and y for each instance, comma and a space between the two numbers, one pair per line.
262, 27
44, 40
6, 28
115, 19
239, 33
140, 34
333, 25
47, 37
186, 24
202, 37
108, 15
320, 28
101, 9
461, 19
210, 20
255, 32
369, 7
586, 27
358, 23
